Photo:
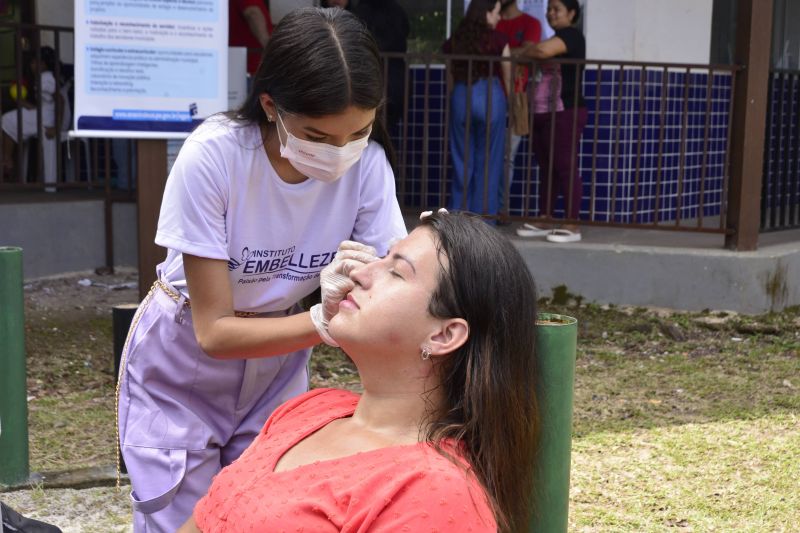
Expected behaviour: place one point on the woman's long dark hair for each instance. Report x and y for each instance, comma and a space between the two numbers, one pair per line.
319, 62
488, 383
472, 32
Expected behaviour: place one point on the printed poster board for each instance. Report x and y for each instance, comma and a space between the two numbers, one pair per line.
149, 68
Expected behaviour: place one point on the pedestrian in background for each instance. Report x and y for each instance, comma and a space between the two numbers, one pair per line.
557, 132
486, 99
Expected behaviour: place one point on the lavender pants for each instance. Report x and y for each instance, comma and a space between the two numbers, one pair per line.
183, 415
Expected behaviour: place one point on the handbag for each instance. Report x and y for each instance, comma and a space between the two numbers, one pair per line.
520, 117
547, 93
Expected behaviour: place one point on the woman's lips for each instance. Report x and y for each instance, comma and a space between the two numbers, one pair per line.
349, 302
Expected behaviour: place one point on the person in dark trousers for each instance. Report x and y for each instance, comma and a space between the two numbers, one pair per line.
557, 146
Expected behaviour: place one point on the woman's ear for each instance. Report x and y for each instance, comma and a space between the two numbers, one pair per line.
268, 106
452, 334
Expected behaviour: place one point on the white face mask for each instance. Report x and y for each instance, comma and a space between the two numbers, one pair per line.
323, 162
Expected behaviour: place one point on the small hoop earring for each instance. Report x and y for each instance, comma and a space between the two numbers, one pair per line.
426, 353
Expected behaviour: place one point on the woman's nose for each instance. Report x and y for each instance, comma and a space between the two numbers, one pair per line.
360, 275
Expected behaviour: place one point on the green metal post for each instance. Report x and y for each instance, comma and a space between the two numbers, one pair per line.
556, 345
13, 397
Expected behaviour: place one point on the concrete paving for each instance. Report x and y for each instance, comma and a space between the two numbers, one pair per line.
681, 270
678, 270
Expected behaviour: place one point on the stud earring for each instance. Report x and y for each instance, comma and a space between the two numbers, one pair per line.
426, 353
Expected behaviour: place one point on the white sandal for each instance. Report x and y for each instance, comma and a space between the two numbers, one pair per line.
564, 235
529, 230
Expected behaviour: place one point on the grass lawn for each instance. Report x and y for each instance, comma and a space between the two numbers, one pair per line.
686, 422
682, 421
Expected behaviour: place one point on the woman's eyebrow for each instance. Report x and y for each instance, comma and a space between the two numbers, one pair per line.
400, 257
315, 130
312, 129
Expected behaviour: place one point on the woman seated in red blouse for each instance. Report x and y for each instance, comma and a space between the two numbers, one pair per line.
442, 438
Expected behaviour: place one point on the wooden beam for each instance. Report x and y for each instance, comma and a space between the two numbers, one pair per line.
753, 41
151, 176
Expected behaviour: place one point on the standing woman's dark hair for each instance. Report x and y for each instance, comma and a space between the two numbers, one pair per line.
472, 31
488, 383
573, 5
319, 65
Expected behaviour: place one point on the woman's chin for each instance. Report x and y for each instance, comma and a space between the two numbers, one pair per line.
342, 332
338, 328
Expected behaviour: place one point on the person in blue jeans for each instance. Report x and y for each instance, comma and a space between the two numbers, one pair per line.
478, 99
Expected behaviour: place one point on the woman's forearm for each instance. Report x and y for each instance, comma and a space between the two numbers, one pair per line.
552, 47
232, 337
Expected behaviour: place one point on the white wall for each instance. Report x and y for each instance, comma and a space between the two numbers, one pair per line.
68, 236
669, 31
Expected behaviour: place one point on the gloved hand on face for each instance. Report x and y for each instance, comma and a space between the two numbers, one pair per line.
335, 283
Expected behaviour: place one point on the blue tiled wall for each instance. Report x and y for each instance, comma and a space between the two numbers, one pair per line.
625, 126
781, 187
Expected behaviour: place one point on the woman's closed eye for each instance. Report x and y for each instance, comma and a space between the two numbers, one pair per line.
402, 267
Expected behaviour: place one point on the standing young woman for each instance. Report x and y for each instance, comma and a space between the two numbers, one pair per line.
486, 99
556, 134
255, 207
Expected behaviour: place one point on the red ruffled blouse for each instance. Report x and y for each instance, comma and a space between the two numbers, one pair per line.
410, 488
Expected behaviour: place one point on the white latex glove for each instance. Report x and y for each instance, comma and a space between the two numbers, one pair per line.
335, 283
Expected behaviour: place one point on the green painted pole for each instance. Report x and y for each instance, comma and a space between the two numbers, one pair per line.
556, 344
13, 395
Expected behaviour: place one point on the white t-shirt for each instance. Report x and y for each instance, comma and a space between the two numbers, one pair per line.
48, 99
223, 200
